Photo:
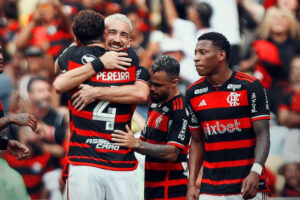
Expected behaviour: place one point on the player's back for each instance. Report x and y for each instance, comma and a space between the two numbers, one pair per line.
91, 128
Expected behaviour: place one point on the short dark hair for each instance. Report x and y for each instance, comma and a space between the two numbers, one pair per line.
219, 41
88, 25
168, 64
33, 79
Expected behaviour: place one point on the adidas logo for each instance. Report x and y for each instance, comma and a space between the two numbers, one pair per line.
202, 103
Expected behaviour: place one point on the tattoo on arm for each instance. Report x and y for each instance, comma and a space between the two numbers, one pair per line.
261, 129
166, 152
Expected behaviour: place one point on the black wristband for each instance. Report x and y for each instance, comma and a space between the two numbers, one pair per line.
3, 143
97, 65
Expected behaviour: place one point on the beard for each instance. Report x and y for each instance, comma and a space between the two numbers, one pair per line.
156, 98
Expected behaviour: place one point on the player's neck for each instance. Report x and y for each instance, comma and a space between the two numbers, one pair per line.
221, 77
173, 94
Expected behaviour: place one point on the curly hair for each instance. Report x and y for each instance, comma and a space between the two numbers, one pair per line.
88, 25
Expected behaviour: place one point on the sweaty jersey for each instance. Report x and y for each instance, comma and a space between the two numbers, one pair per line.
91, 129
224, 115
167, 124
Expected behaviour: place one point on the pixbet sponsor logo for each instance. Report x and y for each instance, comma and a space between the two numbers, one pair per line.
220, 128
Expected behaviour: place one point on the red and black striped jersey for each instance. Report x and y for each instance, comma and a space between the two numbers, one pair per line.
32, 170
91, 129
224, 115
167, 124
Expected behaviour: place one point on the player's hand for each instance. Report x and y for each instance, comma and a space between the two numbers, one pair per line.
250, 186
17, 149
84, 96
116, 60
125, 139
24, 119
192, 193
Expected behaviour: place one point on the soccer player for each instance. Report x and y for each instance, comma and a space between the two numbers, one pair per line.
164, 139
23, 119
229, 125
99, 169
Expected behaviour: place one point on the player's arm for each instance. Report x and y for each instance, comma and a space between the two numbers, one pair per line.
126, 94
22, 119
250, 184
72, 78
196, 156
14, 147
260, 116
162, 151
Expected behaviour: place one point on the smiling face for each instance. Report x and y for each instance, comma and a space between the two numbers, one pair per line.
207, 58
117, 35
1, 60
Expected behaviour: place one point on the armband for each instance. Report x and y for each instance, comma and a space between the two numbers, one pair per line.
3, 143
97, 65
257, 168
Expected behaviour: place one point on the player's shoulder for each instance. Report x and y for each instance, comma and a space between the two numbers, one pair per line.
200, 83
177, 104
244, 77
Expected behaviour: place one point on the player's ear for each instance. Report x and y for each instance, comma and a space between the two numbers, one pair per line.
175, 82
222, 55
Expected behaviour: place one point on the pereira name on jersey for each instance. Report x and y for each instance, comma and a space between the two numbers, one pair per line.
167, 124
225, 115
91, 129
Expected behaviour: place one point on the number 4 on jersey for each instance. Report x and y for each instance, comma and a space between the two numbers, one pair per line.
108, 117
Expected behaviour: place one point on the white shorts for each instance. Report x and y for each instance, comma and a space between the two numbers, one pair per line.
91, 183
259, 196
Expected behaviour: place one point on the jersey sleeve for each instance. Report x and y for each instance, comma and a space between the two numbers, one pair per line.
258, 100
193, 122
143, 135
142, 74
63, 59
178, 133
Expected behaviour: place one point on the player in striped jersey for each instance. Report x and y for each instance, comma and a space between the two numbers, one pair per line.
229, 124
99, 169
23, 119
164, 139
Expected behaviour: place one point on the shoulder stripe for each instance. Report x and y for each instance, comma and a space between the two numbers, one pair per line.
199, 81
242, 74
181, 103
244, 79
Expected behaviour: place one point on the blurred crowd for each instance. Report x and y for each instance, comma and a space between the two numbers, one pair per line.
265, 39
